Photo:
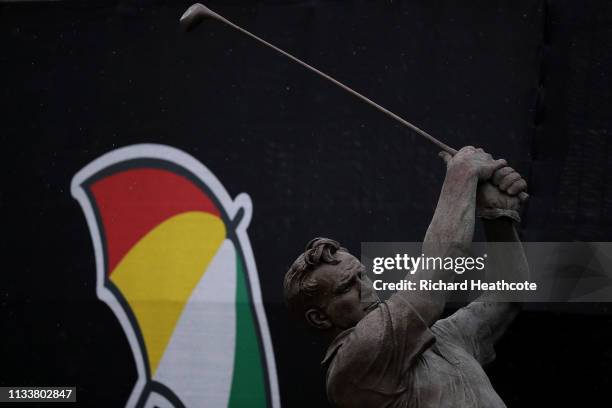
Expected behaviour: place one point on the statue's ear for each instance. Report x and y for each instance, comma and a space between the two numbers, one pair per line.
318, 319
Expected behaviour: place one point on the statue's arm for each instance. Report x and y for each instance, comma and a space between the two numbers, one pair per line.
483, 322
510, 262
506, 261
452, 227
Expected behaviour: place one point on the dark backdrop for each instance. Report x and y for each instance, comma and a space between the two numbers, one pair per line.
527, 80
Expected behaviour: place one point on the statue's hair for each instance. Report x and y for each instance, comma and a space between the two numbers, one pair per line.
299, 289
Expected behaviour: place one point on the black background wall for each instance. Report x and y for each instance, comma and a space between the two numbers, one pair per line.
527, 80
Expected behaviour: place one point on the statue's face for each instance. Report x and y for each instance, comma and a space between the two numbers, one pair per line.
347, 294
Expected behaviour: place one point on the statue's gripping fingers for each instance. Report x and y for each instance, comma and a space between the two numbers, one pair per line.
475, 162
499, 197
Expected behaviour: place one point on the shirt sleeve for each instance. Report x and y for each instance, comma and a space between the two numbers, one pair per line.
370, 367
475, 329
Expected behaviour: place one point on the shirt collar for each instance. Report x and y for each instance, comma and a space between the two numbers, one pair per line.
335, 345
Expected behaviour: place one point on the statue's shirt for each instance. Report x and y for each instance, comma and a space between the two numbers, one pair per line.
392, 359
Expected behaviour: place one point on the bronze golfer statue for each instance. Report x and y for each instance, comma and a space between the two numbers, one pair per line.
399, 353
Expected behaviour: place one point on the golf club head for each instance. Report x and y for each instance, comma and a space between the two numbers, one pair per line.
194, 16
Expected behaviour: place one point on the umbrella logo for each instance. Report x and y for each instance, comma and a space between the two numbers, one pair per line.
174, 263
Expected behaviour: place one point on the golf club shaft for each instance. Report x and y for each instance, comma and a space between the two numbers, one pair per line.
386, 111
209, 13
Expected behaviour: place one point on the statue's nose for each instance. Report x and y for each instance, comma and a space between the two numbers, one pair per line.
368, 294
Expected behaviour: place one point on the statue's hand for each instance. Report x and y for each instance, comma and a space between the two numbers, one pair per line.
473, 162
498, 197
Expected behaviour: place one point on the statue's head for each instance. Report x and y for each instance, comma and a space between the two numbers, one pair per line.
328, 287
